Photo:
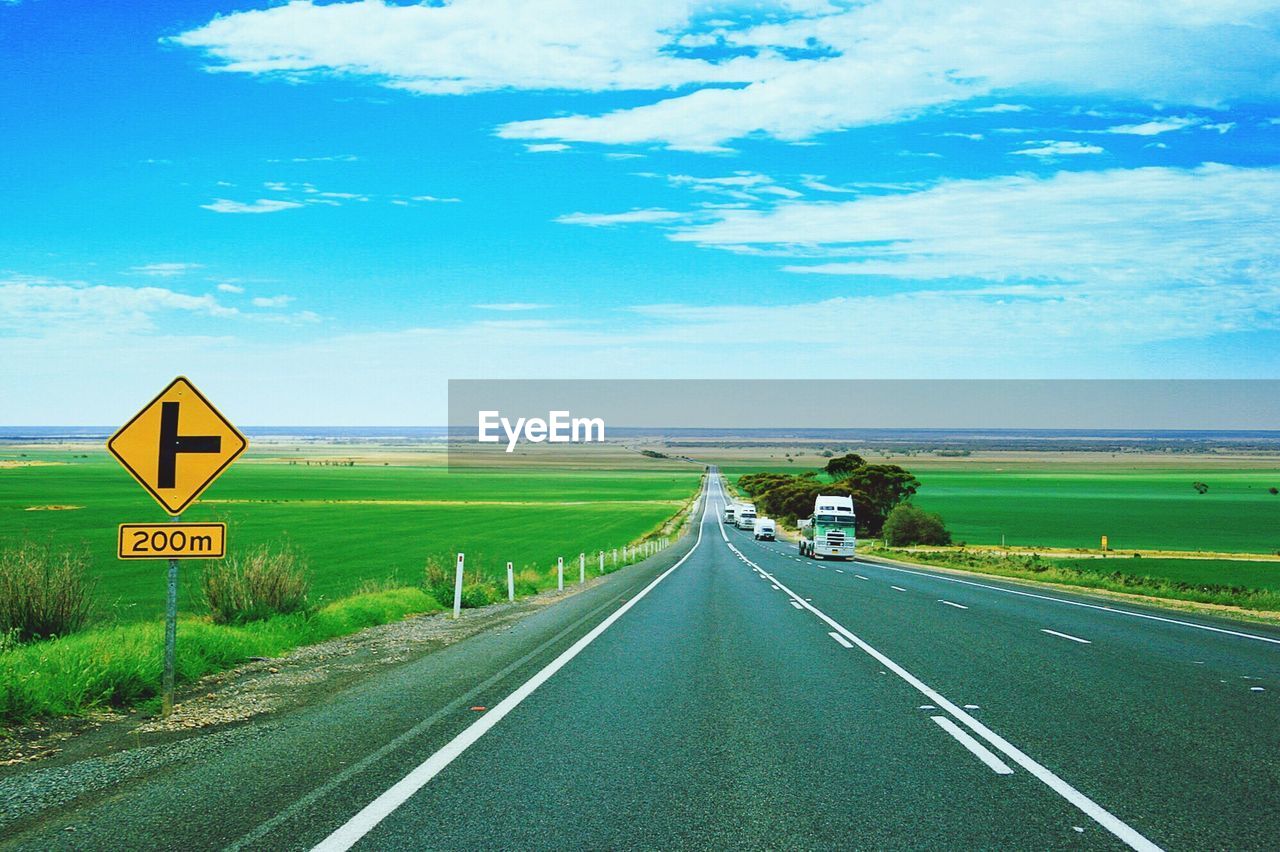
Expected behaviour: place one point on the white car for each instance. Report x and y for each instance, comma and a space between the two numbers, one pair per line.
765, 529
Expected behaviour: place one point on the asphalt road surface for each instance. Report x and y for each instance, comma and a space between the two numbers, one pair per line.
729, 694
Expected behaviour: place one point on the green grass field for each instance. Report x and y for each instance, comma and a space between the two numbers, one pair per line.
1193, 572
351, 524
1063, 505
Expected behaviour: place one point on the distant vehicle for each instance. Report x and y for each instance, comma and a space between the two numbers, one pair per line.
831, 530
765, 529
728, 512
746, 518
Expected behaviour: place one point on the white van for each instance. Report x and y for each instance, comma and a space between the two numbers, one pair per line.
746, 518
765, 530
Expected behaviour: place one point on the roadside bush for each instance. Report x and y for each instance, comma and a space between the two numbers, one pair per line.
438, 582
908, 524
255, 586
43, 593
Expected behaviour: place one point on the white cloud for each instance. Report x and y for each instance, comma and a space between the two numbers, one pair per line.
513, 306
35, 307
226, 287
546, 147
1206, 228
336, 158
1221, 127
742, 185
436, 199
1156, 126
998, 108
631, 217
876, 62
1051, 149
450, 49
164, 270
271, 301
262, 205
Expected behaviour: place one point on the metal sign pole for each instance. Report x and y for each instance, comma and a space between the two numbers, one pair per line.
170, 634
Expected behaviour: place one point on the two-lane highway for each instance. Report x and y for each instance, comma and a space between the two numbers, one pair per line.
731, 694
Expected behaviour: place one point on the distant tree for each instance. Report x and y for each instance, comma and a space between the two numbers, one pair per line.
839, 467
876, 489
907, 524
1200, 487
1273, 490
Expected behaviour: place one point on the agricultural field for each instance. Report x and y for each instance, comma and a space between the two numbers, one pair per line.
1062, 502
354, 513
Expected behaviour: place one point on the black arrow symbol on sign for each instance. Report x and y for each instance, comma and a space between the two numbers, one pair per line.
171, 443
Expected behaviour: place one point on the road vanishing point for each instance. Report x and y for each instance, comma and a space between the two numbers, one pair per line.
729, 694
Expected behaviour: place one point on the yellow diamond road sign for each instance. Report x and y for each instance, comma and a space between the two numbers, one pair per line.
177, 445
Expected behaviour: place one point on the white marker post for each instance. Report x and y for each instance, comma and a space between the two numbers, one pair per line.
457, 589
511, 583
582, 568
560, 573
615, 557
602, 562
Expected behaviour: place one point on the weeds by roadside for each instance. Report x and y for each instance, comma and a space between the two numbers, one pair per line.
256, 585
1046, 569
43, 593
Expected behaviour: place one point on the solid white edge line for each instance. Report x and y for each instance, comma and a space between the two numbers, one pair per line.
1128, 835
1065, 636
350, 832
980, 751
1129, 612
843, 641
952, 603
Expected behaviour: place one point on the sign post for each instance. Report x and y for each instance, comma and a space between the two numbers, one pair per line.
175, 447
170, 635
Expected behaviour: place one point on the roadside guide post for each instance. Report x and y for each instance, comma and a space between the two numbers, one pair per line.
511, 583
602, 562
582, 568
560, 573
457, 588
175, 447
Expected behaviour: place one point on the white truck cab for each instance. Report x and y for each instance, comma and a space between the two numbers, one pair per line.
831, 533
746, 517
765, 529
729, 509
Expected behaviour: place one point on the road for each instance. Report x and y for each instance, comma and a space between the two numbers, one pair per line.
728, 694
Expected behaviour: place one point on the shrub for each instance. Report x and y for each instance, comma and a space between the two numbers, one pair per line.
42, 593
908, 524
438, 582
255, 586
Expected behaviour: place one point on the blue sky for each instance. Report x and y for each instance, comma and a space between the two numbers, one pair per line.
321, 212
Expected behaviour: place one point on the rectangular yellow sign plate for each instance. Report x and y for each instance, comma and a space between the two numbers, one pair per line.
173, 541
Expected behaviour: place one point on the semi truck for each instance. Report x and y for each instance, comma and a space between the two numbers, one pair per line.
729, 509
746, 517
830, 532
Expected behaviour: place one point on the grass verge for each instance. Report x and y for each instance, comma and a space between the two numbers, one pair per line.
1125, 576
121, 666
